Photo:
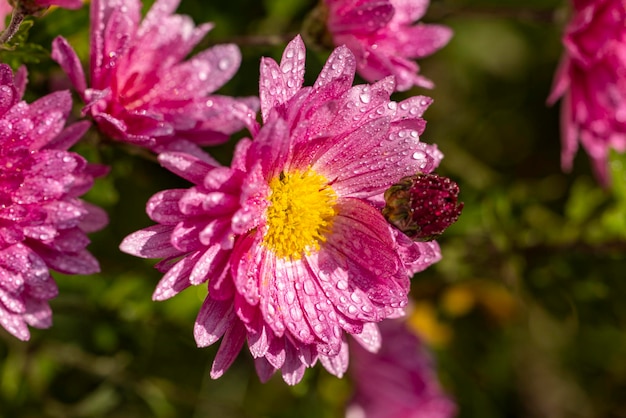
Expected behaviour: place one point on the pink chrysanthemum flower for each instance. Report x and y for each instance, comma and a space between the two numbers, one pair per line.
383, 37
592, 81
142, 92
42, 220
290, 238
400, 381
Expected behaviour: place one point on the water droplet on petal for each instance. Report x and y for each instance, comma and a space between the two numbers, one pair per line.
223, 64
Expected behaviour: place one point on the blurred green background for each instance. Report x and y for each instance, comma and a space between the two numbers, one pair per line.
525, 312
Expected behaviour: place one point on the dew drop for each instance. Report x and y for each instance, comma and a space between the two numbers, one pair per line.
286, 67
418, 155
223, 64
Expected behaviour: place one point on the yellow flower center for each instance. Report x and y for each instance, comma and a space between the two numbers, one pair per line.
300, 214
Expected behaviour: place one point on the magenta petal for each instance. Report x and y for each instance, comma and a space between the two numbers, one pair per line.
214, 319
163, 207
264, 369
333, 277
49, 113
288, 273
293, 369
276, 353
175, 280
69, 137
268, 297
80, 262
38, 313
188, 167
364, 18
292, 66
12, 302
319, 312
186, 236
272, 87
159, 10
65, 56
211, 262
151, 242
370, 339
230, 347
338, 70
95, 219
431, 39
258, 342
280, 83
337, 365
247, 255
14, 324
224, 62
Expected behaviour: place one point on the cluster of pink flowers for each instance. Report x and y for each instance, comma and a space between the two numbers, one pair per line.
292, 240
383, 37
592, 81
142, 92
42, 220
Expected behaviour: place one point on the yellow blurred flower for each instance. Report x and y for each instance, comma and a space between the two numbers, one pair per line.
423, 320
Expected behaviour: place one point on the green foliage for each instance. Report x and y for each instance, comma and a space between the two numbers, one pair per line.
19, 51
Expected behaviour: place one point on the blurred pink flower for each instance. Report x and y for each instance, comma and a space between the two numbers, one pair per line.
142, 91
592, 81
290, 238
5, 11
400, 381
42, 220
383, 37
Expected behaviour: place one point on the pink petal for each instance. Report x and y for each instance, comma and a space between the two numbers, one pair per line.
69, 136
163, 207
151, 242
364, 18
264, 369
338, 70
65, 56
230, 347
176, 279
337, 365
38, 313
186, 166
80, 262
14, 324
271, 87
288, 274
214, 319
293, 369
370, 339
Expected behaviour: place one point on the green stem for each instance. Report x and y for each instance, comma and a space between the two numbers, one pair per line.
16, 20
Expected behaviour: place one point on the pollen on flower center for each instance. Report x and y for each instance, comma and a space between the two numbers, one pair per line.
300, 214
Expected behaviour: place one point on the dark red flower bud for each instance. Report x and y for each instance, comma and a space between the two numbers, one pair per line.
422, 206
